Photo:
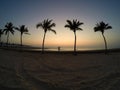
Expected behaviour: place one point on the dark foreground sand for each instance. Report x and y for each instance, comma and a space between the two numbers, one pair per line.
58, 71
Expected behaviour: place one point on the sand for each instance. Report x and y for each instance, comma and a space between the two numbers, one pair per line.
59, 71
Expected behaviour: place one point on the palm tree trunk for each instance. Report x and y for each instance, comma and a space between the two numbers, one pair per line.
75, 44
21, 39
105, 43
0, 38
7, 38
0, 41
43, 42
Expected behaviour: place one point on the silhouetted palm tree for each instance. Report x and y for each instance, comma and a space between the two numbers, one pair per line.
101, 26
23, 30
1, 32
74, 26
46, 25
9, 28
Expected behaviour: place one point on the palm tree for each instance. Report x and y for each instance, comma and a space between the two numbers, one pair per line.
101, 26
23, 30
1, 32
46, 25
9, 28
74, 26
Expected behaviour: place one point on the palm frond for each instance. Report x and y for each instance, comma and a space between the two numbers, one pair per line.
9, 28
12, 31
74, 25
52, 25
68, 26
69, 22
81, 23
79, 29
49, 21
96, 29
46, 25
101, 26
1, 31
53, 31
5, 31
108, 27
22, 29
16, 28
39, 25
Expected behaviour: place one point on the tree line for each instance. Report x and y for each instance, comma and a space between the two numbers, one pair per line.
47, 25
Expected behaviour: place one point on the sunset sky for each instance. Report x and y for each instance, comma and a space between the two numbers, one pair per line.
31, 12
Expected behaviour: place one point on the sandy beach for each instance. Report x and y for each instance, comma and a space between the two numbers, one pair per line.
59, 71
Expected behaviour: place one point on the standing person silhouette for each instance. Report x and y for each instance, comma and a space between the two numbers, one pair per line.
59, 49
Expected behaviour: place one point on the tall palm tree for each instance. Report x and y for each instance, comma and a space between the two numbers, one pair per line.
9, 28
46, 25
101, 26
1, 32
74, 26
23, 30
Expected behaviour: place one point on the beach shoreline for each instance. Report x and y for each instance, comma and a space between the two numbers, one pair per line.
49, 50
